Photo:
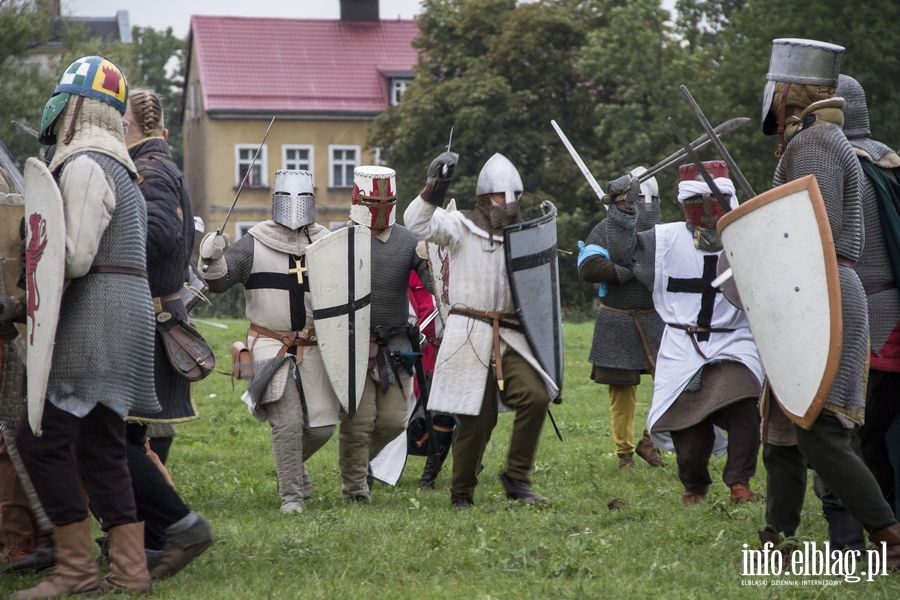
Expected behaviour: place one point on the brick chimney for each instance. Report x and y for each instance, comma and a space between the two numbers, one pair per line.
359, 10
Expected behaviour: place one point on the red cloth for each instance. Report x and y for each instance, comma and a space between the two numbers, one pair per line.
423, 304
889, 357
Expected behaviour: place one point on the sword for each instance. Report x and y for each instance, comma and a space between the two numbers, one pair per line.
580, 163
246, 175
25, 129
733, 169
726, 206
722, 129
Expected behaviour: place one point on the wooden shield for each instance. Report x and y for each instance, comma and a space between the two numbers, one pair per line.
45, 270
782, 255
533, 270
439, 266
340, 281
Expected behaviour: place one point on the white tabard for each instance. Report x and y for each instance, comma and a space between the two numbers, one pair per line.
679, 265
478, 280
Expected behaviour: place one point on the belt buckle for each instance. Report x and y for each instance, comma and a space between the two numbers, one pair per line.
157, 305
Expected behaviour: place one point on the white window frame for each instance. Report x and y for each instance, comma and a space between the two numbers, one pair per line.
331, 164
242, 227
285, 148
397, 88
261, 161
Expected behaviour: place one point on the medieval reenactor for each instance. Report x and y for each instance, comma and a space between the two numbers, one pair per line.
485, 358
627, 331
289, 386
800, 106
26, 535
174, 535
878, 268
708, 371
386, 403
102, 365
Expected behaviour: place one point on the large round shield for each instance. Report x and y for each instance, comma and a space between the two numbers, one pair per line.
340, 282
45, 269
782, 255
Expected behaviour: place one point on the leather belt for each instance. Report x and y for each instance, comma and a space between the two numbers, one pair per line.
881, 287
107, 269
288, 339
693, 330
160, 301
496, 320
846, 262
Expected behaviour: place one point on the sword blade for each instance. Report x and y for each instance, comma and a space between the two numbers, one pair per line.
580, 163
722, 129
246, 175
733, 169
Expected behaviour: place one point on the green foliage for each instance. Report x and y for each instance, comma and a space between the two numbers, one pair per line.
408, 543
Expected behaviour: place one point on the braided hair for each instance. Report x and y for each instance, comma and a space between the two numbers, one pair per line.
147, 108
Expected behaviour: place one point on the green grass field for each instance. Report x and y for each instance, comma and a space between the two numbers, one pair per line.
408, 543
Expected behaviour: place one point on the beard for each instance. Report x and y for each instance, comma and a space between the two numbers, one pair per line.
494, 217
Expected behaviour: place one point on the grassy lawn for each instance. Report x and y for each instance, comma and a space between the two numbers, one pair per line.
408, 544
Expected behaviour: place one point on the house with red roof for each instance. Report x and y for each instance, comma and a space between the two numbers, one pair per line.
324, 81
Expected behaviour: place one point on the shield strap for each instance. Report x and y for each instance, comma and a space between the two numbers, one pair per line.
496, 320
288, 339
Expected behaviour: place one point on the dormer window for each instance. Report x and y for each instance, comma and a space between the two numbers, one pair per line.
397, 86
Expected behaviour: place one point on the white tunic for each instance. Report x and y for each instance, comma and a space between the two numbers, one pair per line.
678, 360
478, 280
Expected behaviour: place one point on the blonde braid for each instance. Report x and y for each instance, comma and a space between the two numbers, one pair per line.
147, 108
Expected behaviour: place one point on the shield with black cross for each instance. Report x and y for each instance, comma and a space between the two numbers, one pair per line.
533, 269
340, 283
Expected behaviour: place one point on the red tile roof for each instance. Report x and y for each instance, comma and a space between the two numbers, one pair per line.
250, 64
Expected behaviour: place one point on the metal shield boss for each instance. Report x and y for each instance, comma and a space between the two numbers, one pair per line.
781, 252
45, 270
533, 269
340, 283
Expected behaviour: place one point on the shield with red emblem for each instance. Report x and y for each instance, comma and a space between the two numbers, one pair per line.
439, 266
45, 269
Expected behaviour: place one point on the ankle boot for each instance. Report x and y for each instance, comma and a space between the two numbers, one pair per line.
648, 451
76, 571
185, 540
518, 489
443, 440
127, 559
890, 535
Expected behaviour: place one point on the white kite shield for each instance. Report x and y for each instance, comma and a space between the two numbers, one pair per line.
439, 266
340, 283
45, 270
785, 268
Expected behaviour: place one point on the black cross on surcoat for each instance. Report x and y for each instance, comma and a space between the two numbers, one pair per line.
701, 286
286, 281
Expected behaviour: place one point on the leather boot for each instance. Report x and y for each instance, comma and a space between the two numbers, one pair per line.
22, 555
127, 559
691, 497
517, 489
890, 535
741, 492
185, 540
443, 440
649, 452
76, 571
778, 544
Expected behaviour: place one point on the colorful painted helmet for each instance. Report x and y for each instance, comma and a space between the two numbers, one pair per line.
89, 76
374, 197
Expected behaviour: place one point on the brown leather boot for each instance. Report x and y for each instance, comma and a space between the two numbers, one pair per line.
626, 462
185, 540
890, 535
689, 497
127, 559
517, 489
741, 492
76, 571
646, 450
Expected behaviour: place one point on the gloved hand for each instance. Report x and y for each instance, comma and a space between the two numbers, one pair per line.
626, 188
212, 247
440, 173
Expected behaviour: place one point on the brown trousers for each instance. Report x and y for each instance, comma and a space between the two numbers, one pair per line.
526, 394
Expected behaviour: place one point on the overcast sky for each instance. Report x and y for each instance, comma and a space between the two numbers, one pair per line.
160, 14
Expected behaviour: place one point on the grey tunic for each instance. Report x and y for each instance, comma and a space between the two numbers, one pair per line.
104, 342
823, 150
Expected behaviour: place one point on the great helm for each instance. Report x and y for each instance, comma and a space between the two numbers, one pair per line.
793, 60
701, 209
293, 199
89, 76
499, 175
374, 197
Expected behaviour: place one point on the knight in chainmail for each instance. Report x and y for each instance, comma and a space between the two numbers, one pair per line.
387, 399
708, 371
102, 364
800, 106
627, 331
879, 271
289, 387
